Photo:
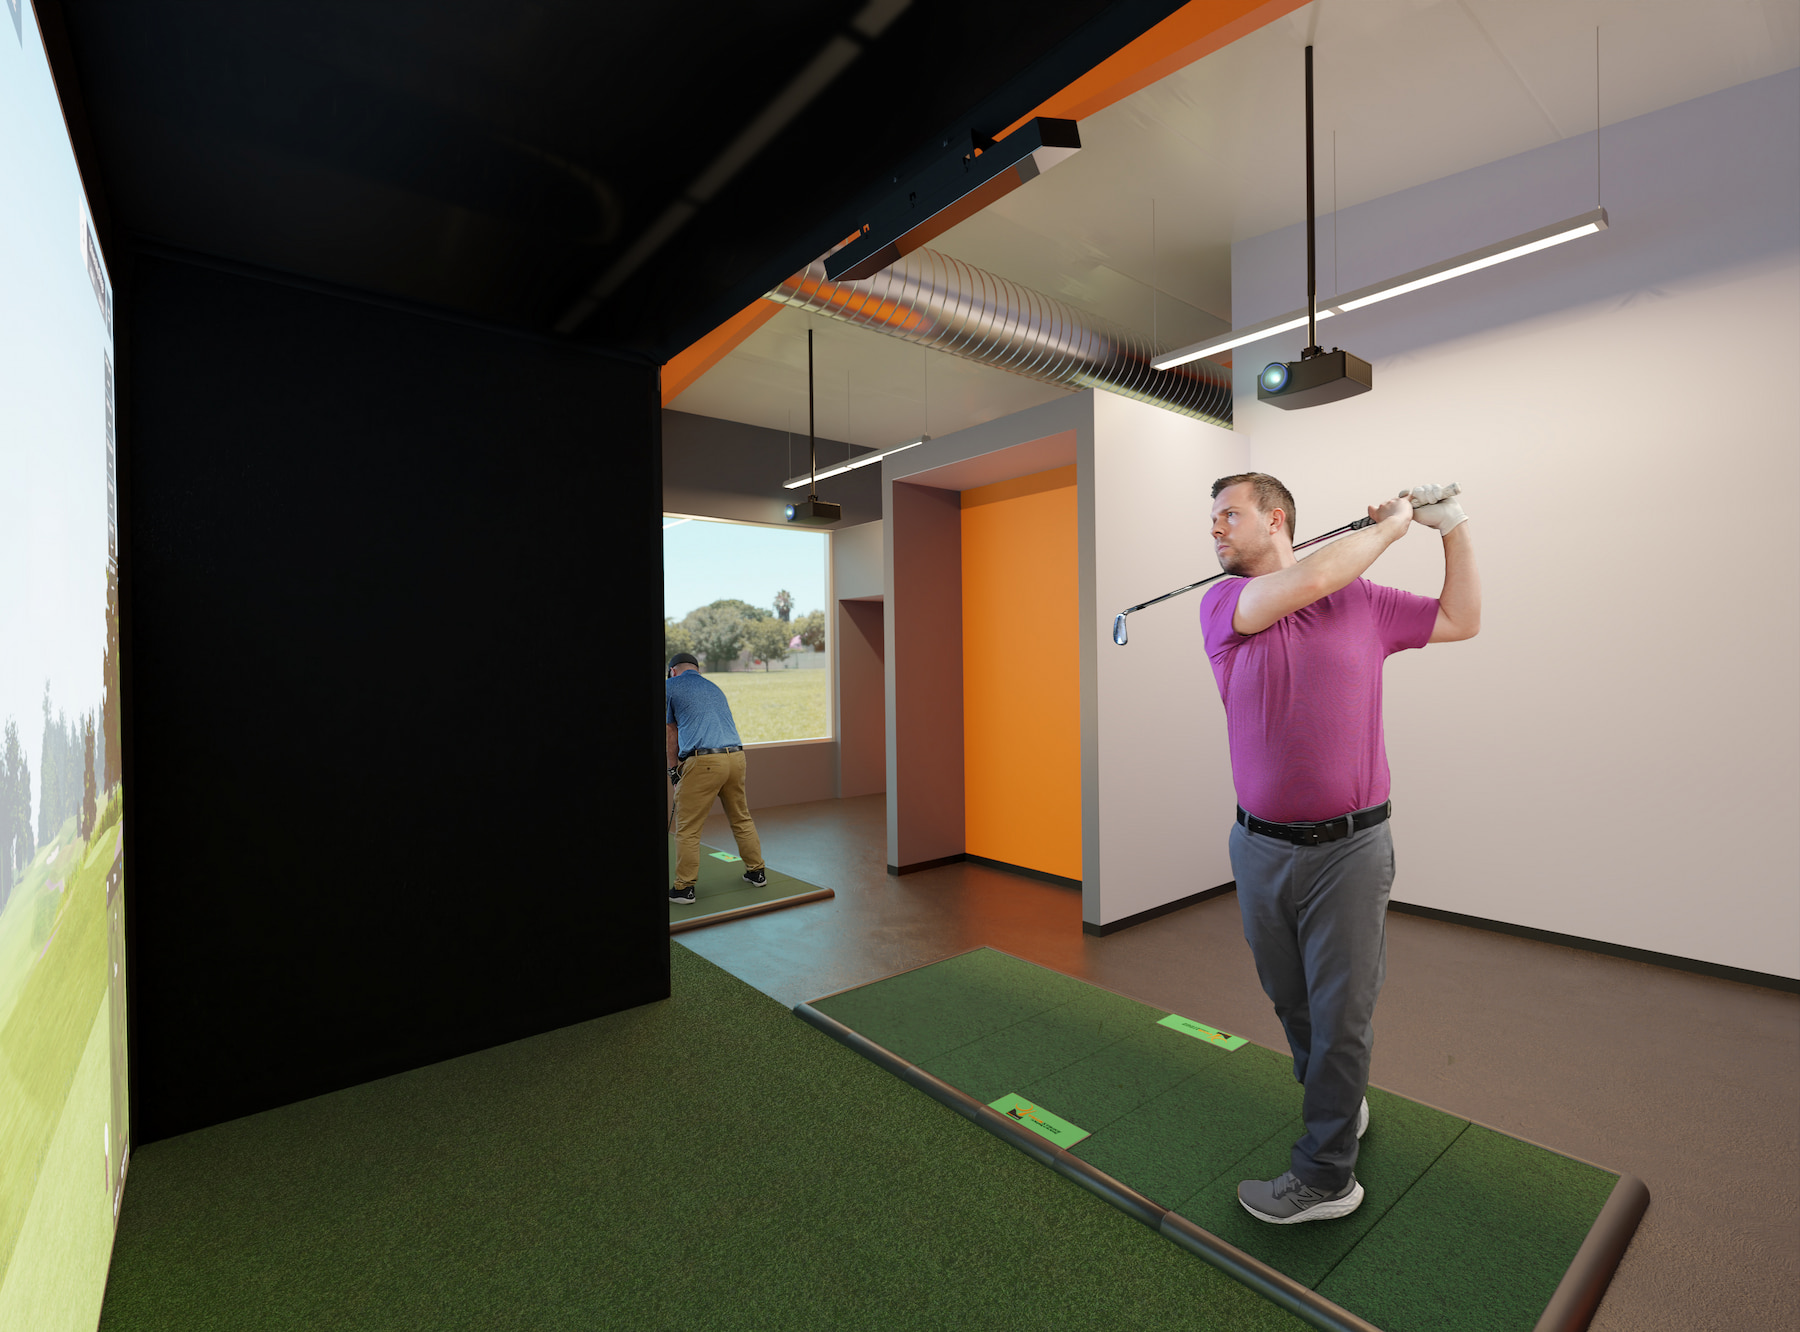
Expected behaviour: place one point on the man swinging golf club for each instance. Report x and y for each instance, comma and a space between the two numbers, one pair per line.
1297, 648
706, 759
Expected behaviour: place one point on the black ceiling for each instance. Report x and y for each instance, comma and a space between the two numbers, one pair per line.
495, 160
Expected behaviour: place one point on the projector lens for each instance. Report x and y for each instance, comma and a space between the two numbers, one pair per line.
790, 513
1274, 377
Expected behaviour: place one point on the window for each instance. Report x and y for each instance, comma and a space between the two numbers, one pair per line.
750, 602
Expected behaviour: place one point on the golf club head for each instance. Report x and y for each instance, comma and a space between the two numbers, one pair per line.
1119, 635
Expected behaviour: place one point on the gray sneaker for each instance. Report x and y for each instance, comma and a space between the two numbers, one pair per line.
1286, 1200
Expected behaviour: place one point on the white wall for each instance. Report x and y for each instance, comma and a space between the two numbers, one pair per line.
1617, 756
856, 560
1157, 801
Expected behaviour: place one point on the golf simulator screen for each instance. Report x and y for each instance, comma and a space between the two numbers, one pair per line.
63, 1131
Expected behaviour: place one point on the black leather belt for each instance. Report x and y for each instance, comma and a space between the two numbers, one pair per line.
729, 749
1315, 834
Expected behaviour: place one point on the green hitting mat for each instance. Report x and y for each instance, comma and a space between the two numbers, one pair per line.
1461, 1229
721, 893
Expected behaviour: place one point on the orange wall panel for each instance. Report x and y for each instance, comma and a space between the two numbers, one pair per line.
1022, 673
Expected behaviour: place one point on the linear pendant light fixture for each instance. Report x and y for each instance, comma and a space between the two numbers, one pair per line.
851, 464
1530, 242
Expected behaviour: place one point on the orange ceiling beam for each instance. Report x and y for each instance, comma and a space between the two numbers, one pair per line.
695, 360
1197, 29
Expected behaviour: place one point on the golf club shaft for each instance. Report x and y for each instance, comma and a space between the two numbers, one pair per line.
1119, 620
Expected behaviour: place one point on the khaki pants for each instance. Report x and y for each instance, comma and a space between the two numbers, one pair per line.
703, 777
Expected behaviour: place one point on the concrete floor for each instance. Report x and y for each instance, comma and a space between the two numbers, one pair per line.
1690, 1083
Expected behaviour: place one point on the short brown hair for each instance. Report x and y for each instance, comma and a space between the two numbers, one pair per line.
1270, 494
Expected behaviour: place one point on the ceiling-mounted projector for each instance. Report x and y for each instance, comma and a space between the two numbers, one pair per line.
1314, 379
1319, 376
814, 512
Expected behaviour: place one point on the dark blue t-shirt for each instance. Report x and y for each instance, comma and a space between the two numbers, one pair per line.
696, 707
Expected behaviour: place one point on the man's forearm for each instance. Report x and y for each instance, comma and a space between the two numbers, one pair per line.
1271, 596
1460, 601
1341, 563
674, 748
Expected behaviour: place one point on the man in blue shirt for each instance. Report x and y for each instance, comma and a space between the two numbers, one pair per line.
706, 759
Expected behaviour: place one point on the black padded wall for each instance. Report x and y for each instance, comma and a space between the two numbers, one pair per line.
395, 788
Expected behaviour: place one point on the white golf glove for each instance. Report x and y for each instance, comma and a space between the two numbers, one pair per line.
1434, 506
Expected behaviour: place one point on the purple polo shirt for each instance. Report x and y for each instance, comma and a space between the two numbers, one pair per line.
1303, 697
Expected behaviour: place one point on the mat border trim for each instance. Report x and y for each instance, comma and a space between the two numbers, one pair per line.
1571, 1307
1578, 1295
695, 922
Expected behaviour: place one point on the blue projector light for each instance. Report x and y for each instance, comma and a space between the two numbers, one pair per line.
1274, 377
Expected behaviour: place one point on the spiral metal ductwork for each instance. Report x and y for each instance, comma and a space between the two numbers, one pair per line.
936, 301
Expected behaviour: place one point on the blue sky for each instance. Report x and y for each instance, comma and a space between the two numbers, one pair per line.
53, 341
706, 561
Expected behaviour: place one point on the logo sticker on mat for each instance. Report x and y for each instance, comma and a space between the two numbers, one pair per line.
1223, 1040
1039, 1120
723, 855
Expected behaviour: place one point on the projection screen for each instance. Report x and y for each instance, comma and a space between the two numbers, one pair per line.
64, 1133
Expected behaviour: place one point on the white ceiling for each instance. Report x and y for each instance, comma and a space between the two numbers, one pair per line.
1414, 90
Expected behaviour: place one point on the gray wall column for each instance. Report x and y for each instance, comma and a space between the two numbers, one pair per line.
862, 698
923, 625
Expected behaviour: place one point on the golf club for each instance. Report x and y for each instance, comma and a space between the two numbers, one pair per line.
1119, 635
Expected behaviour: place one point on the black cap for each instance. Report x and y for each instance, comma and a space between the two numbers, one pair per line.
683, 659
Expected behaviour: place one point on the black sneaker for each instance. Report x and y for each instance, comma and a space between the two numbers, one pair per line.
757, 877
683, 896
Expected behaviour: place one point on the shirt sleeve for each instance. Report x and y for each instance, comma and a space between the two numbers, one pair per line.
1402, 619
1217, 607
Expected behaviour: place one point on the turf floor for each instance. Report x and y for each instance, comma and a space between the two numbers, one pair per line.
721, 886
1461, 1229
707, 1162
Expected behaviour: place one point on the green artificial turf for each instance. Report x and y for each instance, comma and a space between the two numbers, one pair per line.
1461, 1229
707, 1162
1403, 1141
1524, 1210
721, 886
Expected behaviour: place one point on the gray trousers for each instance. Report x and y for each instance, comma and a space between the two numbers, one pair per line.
1316, 921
